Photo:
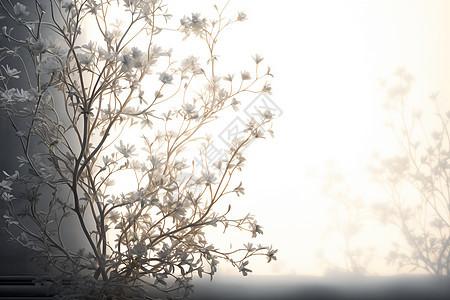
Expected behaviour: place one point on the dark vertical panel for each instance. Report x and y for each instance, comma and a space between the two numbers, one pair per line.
14, 259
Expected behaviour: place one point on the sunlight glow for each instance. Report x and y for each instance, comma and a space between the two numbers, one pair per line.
327, 57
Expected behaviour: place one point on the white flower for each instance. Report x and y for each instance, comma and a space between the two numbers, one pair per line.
229, 77
127, 62
214, 84
243, 269
127, 150
93, 7
193, 24
114, 216
20, 10
8, 95
68, 5
11, 72
85, 58
191, 64
107, 160
209, 178
249, 247
108, 36
245, 75
40, 46
157, 50
156, 161
267, 88
258, 134
235, 104
239, 190
241, 16
223, 94
49, 64
136, 53
166, 78
267, 114
6, 185
89, 46
190, 111
271, 254
256, 229
10, 221
257, 58
196, 21
23, 96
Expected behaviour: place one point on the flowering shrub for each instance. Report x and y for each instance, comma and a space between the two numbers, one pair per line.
73, 122
417, 179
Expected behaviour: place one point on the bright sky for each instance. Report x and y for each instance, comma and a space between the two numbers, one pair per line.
327, 57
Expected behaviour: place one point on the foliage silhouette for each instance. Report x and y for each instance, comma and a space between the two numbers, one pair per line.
417, 179
74, 124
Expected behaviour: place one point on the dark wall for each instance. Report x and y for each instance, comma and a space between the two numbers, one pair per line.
14, 259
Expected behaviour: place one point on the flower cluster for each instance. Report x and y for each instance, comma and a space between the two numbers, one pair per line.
137, 204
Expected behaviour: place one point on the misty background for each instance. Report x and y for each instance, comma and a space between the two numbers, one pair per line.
328, 58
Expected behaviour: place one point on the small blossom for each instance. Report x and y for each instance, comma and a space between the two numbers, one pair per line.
20, 10
243, 269
193, 24
191, 64
6, 185
11, 72
245, 75
271, 254
137, 56
127, 62
85, 59
190, 111
256, 229
241, 16
127, 150
10, 221
93, 7
40, 46
23, 96
166, 78
267, 88
258, 134
239, 190
89, 46
109, 37
114, 216
235, 103
209, 178
214, 84
68, 6
50, 64
229, 77
267, 114
249, 247
257, 58
8, 95
156, 161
